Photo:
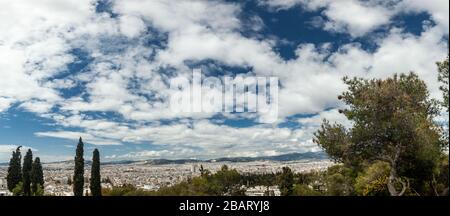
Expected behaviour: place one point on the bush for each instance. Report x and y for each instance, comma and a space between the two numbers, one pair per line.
305, 190
373, 180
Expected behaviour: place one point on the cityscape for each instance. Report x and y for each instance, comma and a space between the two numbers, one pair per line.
58, 175
224, 98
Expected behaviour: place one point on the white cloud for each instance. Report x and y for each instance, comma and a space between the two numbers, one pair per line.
37, 106
355, 17
333, 116
348, 16
146, 154
33, 45
5, 103
7, 149
88, 138
360, 17
174, 16
438, 9
10, 148
131, 26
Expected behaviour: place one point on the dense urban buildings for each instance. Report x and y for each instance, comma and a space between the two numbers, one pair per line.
58, 176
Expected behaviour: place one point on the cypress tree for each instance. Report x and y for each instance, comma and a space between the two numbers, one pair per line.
78, 177
286, 181
14, 175
37, 176
95, 184
26, 172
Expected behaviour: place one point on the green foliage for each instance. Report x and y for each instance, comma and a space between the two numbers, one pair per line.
335, 140
39, 191
253, 179
198, 186
225, 182
37, 177
392, 122
440, 179
126, 190
95, 181
203, 171
18, 189
14, 175
373, 180
26, 181
339, 181
286, 181
26, 172
305, 190
443, 78
78, 177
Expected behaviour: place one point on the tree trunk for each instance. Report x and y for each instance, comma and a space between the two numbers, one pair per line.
393, 178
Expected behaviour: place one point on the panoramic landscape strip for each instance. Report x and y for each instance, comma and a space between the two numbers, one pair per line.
224, 107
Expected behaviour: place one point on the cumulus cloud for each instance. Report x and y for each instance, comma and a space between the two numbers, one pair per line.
359, 17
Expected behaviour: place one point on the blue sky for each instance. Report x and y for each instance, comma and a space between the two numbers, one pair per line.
99, 69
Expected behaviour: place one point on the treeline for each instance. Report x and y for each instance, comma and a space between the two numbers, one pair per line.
337, 180
26, 180
29, 179
225, 182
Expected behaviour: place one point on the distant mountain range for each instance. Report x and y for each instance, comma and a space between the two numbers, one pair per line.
284, 157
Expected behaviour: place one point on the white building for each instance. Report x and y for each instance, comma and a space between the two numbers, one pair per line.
263, 191
4, 188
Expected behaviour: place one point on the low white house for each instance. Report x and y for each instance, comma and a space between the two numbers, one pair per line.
4, 188
263, 191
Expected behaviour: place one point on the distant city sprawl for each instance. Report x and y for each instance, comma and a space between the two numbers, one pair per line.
148, 177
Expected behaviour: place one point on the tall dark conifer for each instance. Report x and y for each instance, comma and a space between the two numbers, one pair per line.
14, 175
78, 177
37, 176
95, 184
26, 172
286, 181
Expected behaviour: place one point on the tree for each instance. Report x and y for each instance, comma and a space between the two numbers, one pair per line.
26, 172
18, 189
286, 181
225, 182
373, 180
37, 178
39, 191
392, 122
304, 190
443, 78
69, 181
339, 181
95, 182
204, 172
14, 175
78, 177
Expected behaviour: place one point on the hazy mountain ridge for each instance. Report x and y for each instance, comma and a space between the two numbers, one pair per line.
281, 158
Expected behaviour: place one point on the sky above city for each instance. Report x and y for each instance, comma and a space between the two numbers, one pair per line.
100, 70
